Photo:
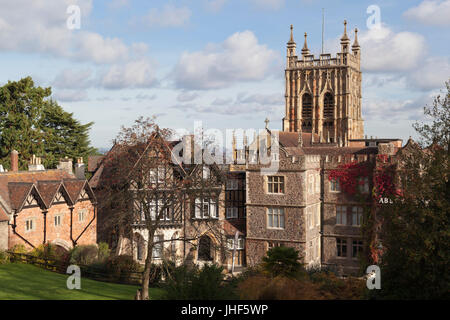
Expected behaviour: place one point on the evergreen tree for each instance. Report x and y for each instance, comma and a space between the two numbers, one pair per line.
31, 123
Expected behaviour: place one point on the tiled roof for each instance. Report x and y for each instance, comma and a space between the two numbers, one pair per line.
15, 186
290, 139
94, 162
18, 191
74, 188
47, 190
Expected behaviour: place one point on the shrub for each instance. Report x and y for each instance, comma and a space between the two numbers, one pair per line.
191, 283
45, 251
318, 286
4, 257
120, 266
19, 248
282, 261
103, 251
84, 254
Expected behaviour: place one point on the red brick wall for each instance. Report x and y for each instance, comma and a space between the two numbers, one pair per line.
62, 232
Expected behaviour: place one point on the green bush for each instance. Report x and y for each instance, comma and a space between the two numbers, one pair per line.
45, 251
191, 283
283, 261
84, 254
4, 257
103, 251
19, 248
120, 267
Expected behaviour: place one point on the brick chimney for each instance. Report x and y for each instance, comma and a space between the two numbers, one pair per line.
14, 161
80, 169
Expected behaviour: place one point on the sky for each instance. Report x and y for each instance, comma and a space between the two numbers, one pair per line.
220, 62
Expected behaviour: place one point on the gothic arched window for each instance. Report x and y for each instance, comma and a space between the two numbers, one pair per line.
328, 106
307, 110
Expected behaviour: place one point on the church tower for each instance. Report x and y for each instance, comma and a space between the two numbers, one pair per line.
323, 95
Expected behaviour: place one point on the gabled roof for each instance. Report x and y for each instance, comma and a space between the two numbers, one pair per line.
74, 188
18, 193
94, 162
15, 187
48, 190
117, 149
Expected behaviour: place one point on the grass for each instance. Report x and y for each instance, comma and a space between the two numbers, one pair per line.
27, 282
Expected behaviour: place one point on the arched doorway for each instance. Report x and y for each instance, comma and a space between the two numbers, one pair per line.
205, 249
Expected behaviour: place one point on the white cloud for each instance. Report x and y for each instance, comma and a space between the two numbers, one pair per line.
384, 50
71, 79
168, 16
262, 99
239, 58
40, 27
133, 74
70, 95
116, 4
215, 5
93, 47
243, 104
430, 12
431, 74
221, 101
268, 4
187, 96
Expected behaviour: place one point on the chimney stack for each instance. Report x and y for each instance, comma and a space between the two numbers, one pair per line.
80, 169
35, 164
14, 161
65, 164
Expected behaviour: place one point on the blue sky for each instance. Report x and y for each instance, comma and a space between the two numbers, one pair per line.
218, 61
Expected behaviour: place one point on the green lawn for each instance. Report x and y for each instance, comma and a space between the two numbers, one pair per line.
27, 282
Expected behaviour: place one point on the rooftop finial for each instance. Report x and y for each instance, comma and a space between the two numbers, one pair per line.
305, 49
355, 43
291, 39
344, 36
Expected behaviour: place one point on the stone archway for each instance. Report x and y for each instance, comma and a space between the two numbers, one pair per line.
62, 246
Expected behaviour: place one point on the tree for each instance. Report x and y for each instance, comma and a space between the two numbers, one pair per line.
282, 261
143, 188
415, 233
32, 123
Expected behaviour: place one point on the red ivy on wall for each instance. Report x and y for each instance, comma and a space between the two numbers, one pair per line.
349, 176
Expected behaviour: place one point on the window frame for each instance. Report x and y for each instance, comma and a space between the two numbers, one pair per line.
281, 184
341, 243
341, 211
271, 212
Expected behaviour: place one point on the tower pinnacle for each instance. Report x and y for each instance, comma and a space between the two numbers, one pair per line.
345, 40
355, 43
305, 49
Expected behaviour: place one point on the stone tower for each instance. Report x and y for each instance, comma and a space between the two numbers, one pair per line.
324, 95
